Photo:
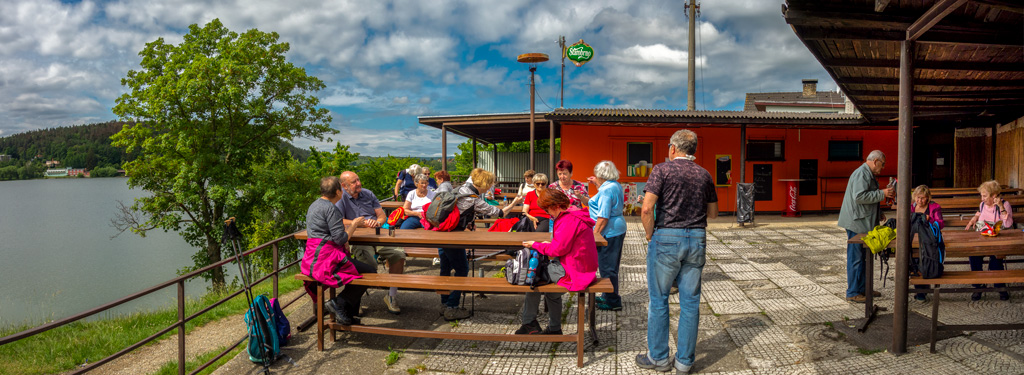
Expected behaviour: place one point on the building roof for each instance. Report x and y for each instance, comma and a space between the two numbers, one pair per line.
758, 101
673, 118
515, 127
968, 65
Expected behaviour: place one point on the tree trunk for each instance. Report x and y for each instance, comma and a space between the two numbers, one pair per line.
213, 256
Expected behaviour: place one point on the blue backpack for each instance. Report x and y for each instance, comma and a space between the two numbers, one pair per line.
932, 251
264, 345
284, 328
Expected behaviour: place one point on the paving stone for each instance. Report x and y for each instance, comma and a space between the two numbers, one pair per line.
960, 348
995, 363
721, 291
766, 293
814, 302
746, 276
787, 273
766, 347
737, 267
785, 282
734, 307
805, 290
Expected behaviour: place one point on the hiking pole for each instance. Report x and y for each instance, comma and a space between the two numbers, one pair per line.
232, 237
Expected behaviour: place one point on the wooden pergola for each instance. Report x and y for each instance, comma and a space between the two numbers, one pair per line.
496, 128
921, 63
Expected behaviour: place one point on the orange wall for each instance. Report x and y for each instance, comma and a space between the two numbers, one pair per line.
587, 145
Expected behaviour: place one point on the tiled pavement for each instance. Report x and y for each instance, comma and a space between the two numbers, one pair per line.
770, 295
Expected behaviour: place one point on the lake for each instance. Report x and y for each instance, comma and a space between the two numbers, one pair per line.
57, 257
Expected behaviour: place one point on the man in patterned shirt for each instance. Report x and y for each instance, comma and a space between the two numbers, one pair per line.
685, 197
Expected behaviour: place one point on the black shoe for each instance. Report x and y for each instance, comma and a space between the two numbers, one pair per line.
1004, 296
339, 315
549, 331
531, 328
975, 296
919, 297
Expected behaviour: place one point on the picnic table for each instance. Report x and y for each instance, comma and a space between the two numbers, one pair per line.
959, 243
429, 238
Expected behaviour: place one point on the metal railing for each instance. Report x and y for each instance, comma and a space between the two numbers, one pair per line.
182, 319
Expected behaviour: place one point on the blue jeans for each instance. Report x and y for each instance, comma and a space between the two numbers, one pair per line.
854, 267
608, 258
411, 222
674, 257
453, 259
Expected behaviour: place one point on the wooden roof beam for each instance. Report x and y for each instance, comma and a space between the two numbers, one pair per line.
936, 82
936, 13
987, 38
1006, 5
1002, 94
935, 65
880, 5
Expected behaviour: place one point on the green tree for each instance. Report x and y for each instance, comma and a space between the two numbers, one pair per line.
201, 116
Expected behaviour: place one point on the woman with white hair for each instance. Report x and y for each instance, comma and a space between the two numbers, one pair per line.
606, 210
405, 181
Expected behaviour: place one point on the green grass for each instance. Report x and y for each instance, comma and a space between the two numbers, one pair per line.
393, 356
171, 368
74, 344
869, 352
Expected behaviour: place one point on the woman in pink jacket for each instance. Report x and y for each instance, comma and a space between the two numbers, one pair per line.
572, 242
327, 259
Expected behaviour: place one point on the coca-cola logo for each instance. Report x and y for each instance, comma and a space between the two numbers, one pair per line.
792, 198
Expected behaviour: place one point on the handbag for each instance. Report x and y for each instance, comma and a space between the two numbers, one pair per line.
555, 270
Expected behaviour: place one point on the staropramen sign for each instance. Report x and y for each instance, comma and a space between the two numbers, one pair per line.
580, 53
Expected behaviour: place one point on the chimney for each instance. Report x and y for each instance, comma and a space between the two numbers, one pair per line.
810, 88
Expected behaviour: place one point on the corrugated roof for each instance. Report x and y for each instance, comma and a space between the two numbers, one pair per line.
667, 115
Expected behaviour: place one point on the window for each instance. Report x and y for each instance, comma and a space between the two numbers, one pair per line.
637, 151
845, 150
766, 150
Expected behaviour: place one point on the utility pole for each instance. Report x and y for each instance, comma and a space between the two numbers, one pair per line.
561, 95
691, 58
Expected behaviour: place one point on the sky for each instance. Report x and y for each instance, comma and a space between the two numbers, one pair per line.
386, 62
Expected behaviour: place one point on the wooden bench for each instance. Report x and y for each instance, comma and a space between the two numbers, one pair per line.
466, 284
967, 278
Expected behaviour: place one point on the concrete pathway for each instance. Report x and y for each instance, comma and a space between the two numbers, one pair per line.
772, 302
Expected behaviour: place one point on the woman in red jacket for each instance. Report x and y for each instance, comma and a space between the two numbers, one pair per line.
572, 242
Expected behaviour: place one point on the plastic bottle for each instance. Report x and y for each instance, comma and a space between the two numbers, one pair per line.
532, 271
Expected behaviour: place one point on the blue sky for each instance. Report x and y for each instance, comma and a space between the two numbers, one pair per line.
387, 62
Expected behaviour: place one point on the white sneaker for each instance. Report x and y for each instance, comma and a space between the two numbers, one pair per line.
436, 261
392, 303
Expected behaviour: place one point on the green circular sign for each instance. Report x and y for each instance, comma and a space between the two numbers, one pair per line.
579, 53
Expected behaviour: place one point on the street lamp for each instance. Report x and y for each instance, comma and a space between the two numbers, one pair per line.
532, 59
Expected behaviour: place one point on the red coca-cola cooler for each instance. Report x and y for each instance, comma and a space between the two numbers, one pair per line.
792, 190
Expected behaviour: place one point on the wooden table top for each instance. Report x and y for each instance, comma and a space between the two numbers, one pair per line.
961, 243
1016, 201
429, 238
391, 205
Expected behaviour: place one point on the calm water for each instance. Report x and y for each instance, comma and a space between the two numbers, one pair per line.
57, 257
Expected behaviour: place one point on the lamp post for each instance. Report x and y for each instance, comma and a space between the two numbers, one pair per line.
532, 59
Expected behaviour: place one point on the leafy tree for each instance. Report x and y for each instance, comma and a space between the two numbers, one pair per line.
103, 172
203, 115
379, 176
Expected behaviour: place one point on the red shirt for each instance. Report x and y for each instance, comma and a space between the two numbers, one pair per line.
535, 210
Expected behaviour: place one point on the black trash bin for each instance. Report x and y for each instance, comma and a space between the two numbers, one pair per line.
745, 203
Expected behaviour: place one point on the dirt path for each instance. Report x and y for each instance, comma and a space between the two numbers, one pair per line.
212, 336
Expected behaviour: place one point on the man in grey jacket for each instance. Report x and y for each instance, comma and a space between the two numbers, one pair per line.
859, 214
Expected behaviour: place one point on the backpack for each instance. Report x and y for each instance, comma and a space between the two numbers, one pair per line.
263, 339
442, 206
932, 249
519, 272
284, 328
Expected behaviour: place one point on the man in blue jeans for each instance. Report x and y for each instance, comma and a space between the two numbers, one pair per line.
860, 214
685, 197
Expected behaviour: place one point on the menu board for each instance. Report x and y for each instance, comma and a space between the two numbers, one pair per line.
762, 182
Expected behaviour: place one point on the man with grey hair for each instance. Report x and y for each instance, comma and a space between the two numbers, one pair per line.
679, 199
859, 214
358, 202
